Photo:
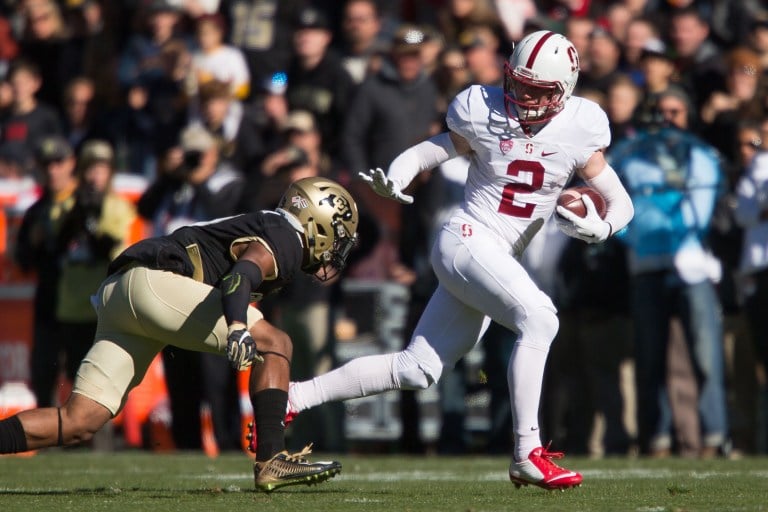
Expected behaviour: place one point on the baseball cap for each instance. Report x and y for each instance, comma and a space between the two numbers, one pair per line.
300, 121
53, 147
655, 47
407, 39
312, 18
96, 150
196, 138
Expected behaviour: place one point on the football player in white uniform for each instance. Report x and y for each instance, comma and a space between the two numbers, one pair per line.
524, 143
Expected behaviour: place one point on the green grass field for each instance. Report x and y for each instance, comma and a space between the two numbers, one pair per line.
138, 481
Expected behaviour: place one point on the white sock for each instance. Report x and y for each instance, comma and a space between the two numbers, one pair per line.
525, 374
360, 377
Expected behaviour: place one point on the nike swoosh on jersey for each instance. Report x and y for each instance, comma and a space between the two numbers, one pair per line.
548, 153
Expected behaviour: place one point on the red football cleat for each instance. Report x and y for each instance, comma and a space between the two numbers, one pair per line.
538, 469
251, 435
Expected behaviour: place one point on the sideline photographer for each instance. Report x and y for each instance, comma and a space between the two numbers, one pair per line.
193, 184
93, 232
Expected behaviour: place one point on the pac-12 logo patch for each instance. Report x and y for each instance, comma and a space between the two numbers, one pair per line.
299, 202
466, 230
506, 145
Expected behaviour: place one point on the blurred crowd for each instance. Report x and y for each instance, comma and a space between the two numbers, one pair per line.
216, 105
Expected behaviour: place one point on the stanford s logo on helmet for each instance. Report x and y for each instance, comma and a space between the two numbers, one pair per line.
328, 217
540, 77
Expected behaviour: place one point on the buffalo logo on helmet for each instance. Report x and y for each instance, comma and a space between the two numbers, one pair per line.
340, 204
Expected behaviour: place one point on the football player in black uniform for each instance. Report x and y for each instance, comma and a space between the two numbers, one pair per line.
193, 289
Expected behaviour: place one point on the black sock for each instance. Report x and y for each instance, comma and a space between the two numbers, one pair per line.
12, 438
269, 413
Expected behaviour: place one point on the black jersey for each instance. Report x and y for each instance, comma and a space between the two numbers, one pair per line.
204, 250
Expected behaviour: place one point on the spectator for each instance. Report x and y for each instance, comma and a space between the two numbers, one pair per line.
658, 70
743, 98
674, 179
616, 20
269, 112
36, 249
300, 152
431, 47
157, 61
28, 121
390, 111
697, 57
481, 51
232, 123
133, 132
603, 54
214, 60
317, 81
92, 233
263, 31
451, 76
727, 240
622, 101
640, 31
579, 30
750, 213
79, 110
98, 27
456, 16
361, 29
16, 178
48, 42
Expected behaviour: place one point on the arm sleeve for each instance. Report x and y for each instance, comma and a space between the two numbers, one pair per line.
421, 157
236, 287
619, 208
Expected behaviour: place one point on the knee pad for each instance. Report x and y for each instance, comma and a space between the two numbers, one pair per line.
418, 366
539, 328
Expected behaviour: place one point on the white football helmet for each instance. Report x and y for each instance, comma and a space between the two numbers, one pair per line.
540, 76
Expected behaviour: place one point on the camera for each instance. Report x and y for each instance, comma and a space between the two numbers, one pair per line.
190, 161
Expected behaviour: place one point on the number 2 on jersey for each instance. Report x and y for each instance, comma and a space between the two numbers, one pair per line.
515, 167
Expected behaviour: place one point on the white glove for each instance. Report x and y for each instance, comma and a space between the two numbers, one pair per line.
384, 186
590, 228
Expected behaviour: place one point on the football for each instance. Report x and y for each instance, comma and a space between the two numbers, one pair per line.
570, 198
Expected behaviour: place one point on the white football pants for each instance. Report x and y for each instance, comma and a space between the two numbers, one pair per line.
479, 280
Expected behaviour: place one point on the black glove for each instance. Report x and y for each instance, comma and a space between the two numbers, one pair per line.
241, 349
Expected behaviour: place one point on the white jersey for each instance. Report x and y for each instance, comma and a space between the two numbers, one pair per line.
513, 178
